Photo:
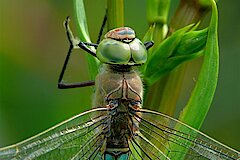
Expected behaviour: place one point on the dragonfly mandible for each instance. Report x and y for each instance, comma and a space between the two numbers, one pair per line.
118, 128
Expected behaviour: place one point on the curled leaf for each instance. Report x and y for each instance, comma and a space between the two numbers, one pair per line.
192, 42
181, 46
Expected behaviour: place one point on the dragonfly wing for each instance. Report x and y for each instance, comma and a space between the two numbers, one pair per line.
143, 148
162, 137
78, 137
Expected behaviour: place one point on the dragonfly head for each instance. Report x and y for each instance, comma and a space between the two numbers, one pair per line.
121, 47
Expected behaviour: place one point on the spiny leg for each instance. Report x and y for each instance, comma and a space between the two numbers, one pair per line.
102, 27
77, 43
74, 44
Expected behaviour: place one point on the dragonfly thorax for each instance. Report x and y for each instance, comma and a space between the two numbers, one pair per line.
117, 84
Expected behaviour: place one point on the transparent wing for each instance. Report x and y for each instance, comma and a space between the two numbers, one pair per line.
79, 137
162, 137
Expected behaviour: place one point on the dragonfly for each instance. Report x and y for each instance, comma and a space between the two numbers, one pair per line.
118, 127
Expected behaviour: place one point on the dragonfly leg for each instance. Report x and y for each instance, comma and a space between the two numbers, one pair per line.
74, 44
90, 44
83, 45
102, 27
73, 41
63, 85
148, 44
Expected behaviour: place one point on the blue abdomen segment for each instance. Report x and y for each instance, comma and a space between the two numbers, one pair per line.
116, 155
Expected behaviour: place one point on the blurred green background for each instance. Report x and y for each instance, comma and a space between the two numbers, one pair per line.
33, 46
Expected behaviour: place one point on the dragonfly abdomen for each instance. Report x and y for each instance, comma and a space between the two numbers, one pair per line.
117, 154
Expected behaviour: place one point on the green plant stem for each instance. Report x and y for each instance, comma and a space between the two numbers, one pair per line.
157, 13
115, 13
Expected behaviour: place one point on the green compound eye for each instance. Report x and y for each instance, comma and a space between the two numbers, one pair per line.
117, 52
138, 51
113, 52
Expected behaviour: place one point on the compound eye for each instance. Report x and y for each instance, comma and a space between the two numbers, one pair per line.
138, 51
113, 52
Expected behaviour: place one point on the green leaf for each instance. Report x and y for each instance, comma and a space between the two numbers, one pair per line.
160, 55
192, 42
81, 21
84, 35
178, 48
173, 62
149, 34
202, 95
201, 98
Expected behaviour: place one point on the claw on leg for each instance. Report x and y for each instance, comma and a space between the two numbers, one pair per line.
73, 41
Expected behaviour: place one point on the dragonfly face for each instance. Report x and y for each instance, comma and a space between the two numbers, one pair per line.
120, 47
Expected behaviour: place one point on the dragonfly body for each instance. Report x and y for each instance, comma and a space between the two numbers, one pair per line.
125, 91
119, 87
